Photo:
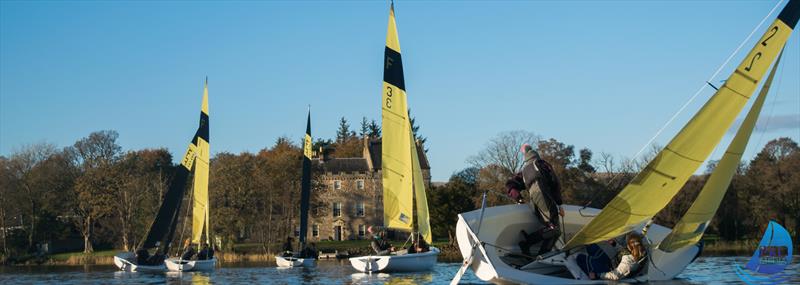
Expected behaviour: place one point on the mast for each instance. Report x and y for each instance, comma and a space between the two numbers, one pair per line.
305, 192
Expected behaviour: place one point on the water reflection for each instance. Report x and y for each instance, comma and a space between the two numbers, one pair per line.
709, 270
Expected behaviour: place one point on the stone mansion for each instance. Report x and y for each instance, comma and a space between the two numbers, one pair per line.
351, 198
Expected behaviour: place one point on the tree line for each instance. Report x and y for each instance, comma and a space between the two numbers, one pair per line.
94, 191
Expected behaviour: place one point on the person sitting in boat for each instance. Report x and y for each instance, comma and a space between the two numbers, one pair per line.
142, 255
287, 247
596, 263
545, 199
189, 251
205, 252
156, 259
379, 243
420, 246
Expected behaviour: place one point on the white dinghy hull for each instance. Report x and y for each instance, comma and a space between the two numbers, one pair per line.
500, 233
125, 261
288, 262
413, 262
178, 265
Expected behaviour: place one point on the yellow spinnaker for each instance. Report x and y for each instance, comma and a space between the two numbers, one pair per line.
202, 156
396, 161
654, 187
693, 224
423, 219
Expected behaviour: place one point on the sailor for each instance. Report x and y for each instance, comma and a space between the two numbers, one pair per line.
189, 251
287, 247
596, 263
157, 258
142, 255
379, 243
545, 200
204, 252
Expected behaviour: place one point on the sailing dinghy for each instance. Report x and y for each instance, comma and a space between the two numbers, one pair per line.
300, 258
402, 174
488, 238
200, 205
159, 235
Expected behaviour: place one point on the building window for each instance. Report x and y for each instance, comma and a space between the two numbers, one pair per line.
337, 209
360, 209
360, 184
315, 230
337, 184
362, 231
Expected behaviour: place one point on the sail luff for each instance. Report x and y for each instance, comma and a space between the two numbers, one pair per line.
305, 192
693, 224
201, 172
423, 217
662, 178
396, 161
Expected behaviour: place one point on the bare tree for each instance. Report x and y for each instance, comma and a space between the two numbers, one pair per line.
504, 150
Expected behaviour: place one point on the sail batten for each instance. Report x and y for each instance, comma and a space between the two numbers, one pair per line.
693, 224
662, 178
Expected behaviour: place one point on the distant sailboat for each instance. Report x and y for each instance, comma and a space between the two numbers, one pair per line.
400, 166
493, 251
200, 206
302, 258
161, 231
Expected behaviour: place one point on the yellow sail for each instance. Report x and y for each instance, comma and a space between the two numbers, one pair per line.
202, 157
423, 219
396, 161
654, 187
693, 224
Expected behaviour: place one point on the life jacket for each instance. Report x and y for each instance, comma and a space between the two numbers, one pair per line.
548, 180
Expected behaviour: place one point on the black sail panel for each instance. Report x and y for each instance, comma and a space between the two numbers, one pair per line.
305, 192
161, 226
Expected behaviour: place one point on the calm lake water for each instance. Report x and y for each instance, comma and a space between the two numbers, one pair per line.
705, 270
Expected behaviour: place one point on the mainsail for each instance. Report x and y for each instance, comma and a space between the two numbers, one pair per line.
202, 157
163, 227
663, 177
396, 161
693, 224
305, 183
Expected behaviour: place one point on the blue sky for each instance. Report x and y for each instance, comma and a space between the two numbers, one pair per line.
596, 74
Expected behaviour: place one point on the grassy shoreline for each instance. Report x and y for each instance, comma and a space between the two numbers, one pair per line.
244, 253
